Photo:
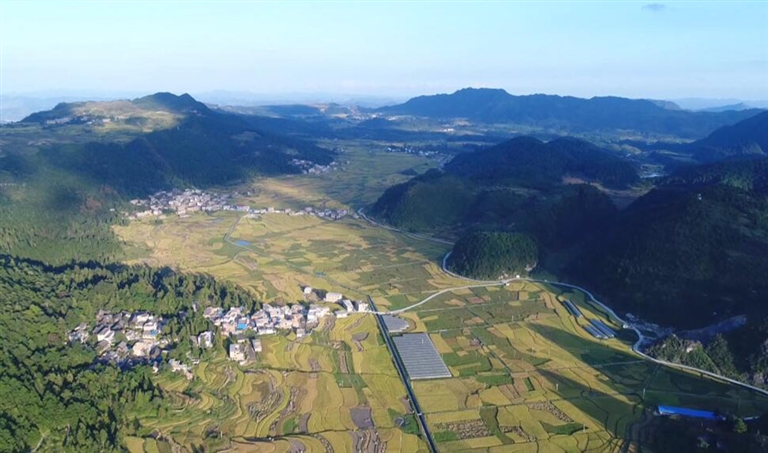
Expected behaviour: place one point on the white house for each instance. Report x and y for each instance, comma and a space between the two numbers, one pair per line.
237, 352
333, 297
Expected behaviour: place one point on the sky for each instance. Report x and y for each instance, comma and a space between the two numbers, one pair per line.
635, 49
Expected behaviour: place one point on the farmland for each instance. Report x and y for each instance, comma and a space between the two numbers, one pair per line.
528, 377
275, 254
336, 387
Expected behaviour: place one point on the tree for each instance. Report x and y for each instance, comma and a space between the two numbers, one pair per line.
739, 427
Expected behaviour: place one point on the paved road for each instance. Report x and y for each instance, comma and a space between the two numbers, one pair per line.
420, 417
636, 348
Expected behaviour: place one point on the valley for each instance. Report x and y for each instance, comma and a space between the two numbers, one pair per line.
525, 374
464, 245
374, 227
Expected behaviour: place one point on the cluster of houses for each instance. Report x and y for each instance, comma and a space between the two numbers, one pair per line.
124, 337
418, 151
185, 202
128, 339
311, 168
270, 319
182, 202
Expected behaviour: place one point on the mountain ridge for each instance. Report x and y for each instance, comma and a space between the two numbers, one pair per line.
568, 113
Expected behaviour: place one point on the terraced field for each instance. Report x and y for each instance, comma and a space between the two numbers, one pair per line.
528, 377
336, 387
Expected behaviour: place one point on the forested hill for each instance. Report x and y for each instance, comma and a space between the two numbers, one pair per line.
568, 114
168, 103
57, 392
748, 174
528, 162
683, 255
516, 183
747, 138
489, 255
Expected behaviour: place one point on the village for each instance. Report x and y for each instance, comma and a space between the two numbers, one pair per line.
188, 201
128, 339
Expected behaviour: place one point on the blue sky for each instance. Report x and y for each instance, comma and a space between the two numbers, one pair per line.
634, 49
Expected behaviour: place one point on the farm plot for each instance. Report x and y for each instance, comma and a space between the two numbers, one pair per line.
276, 254
541, 382
335, 387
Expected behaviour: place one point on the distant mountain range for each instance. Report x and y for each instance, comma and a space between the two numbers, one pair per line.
568, 114
718, 105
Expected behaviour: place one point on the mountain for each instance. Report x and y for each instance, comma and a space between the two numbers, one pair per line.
529, 162
725, 108
177, 141
714, 105
747, 174
745, 138
63, 169
568, 114
514, 186
489, 255
691, 252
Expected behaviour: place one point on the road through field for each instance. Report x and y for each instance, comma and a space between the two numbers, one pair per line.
636, 348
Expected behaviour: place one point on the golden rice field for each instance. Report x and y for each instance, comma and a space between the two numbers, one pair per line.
276, 254
299, 394
528, 377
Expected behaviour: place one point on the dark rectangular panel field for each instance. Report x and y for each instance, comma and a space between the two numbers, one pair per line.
421, 359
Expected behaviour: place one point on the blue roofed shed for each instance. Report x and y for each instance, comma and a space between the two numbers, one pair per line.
685, 412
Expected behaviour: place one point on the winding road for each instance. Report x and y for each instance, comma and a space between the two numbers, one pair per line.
636, 348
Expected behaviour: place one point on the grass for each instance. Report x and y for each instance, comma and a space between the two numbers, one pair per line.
494, 380
445, 436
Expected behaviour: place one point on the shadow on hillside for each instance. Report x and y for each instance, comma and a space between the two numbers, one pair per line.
588, 351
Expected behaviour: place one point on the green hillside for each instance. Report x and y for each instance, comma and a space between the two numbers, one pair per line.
746, 138
63, 170
528, 162
58, 392
683, 256
428, 201
488, 255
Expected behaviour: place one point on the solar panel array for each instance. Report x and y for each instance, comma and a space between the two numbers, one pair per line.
395, 324
421, 359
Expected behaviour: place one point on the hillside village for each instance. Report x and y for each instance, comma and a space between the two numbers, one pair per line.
185, 202
128, 339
